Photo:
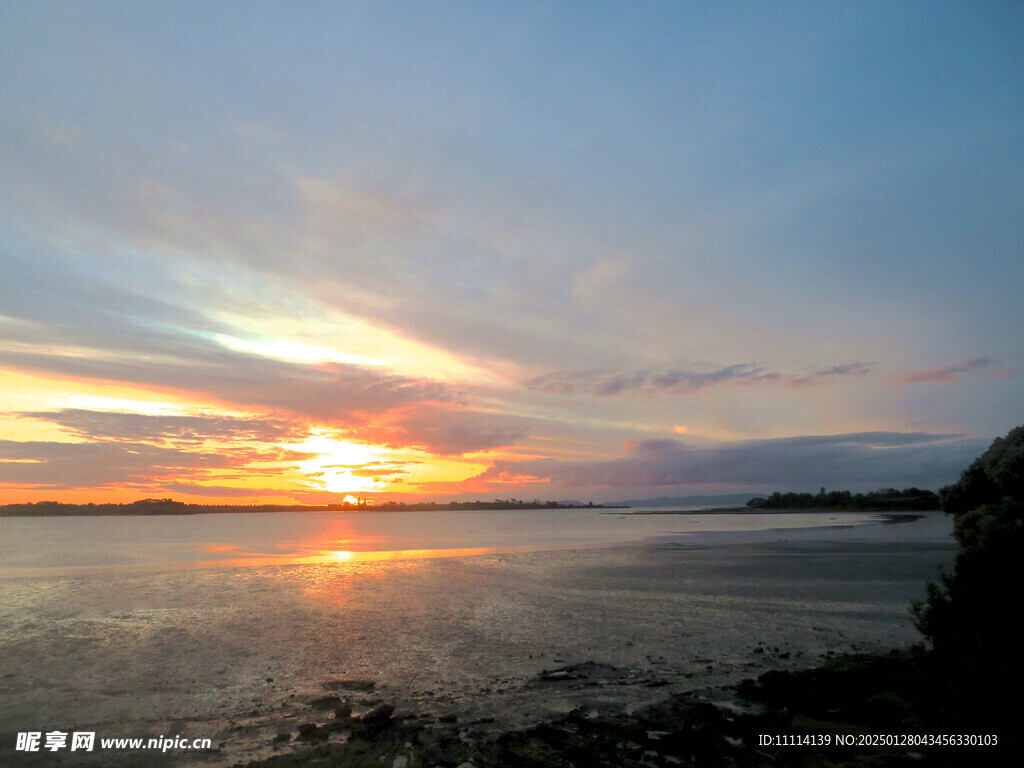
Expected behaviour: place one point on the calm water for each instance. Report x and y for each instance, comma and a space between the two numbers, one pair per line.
65, 543
119, 625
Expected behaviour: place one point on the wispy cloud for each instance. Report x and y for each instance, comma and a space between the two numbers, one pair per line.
96, 465
138, 427
952, 373
606, 382
330, 392
126, 449
376, 469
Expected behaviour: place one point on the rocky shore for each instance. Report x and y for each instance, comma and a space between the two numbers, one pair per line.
781, 719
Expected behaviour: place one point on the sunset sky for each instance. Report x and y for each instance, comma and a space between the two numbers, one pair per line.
287, 252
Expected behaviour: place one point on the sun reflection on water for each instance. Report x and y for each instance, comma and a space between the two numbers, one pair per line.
340, 557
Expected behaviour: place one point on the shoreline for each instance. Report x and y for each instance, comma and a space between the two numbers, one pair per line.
683, 539
177, 508
885, 709
238, 654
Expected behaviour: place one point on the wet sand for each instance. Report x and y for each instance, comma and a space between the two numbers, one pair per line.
237, 654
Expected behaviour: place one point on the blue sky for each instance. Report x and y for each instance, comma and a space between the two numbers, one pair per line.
496, 248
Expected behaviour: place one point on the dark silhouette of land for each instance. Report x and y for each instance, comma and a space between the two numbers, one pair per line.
172, 507
881, 500
886, 499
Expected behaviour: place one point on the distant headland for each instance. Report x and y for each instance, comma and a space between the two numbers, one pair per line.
885, 499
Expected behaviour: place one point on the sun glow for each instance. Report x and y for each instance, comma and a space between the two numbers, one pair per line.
293, 351
337, 462
307, 331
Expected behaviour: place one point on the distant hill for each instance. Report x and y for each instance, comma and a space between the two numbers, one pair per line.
722, 500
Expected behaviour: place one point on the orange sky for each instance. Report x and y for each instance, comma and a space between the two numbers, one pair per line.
533, 253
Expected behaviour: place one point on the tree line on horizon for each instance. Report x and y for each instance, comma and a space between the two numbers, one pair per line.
173, 507
882, 499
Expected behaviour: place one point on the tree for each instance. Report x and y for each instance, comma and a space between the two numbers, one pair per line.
971, 617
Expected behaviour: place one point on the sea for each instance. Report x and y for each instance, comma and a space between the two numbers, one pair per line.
67, 544
230, 626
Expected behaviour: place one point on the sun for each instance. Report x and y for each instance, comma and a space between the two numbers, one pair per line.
338, 462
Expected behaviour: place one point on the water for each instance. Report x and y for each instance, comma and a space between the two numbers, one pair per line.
66, 544
226, 626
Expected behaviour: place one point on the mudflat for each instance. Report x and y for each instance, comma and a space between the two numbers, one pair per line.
246, 655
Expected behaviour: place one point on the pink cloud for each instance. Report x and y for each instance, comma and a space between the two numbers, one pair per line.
953, 373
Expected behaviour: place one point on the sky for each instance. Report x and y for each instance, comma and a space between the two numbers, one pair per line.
268, 252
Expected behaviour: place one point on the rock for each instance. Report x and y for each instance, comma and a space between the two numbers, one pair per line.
448, 718
440, 749
344, 711
378, 715
312, 732
586, 672
375, 724
325, 702
283, 737
553, 677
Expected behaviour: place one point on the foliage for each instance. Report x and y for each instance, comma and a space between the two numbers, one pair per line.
970, 616
883, 499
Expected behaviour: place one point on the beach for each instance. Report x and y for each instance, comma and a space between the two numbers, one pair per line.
492, 641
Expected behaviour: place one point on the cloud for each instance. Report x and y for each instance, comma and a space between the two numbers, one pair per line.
856, 460
953, 373
99, 465
126, 449
444, 430
135, 427
223, 491
375, 469
328, 392
83, 319
354, 243
605, 382
818, 377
